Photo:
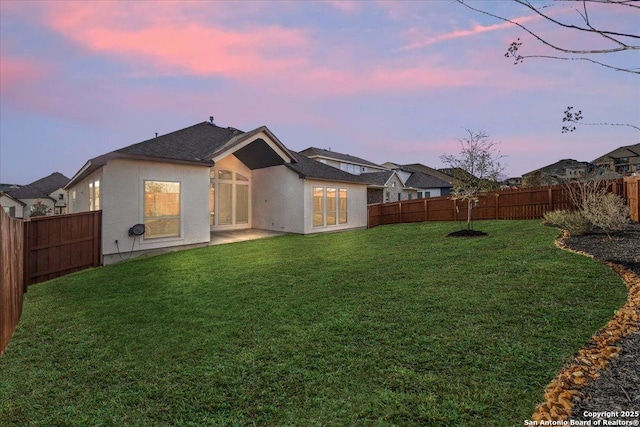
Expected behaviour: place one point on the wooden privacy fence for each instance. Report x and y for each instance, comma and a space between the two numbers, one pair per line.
41, 249
632, 194
527, 203
12, 285
61, 244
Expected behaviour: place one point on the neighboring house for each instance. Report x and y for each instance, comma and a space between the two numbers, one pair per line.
388, 182
512, 182
385, 187
48, 191
426, 183
12, 206
557, 173
624, 160
432, 172
204, 178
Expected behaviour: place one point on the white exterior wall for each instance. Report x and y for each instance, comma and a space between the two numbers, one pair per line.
79, 193
356, 206
277, 200
9, 203
433, 192
122, 203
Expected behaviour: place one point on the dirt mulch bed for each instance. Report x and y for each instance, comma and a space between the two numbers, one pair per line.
604, 376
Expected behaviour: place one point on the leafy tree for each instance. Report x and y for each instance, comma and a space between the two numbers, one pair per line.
475, 169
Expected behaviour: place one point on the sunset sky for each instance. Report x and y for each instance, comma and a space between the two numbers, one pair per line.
385, 81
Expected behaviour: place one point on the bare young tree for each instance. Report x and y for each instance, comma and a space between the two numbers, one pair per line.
475, 169
617, 41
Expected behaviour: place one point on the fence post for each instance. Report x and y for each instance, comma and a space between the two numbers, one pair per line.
550, 192
497, 204
25, 251
400, 209
637, 199
426, 207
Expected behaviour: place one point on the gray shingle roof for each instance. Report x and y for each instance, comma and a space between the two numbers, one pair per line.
313, 151
559, 167
195, 143
624, 151
41, 188
375, 178
422, 180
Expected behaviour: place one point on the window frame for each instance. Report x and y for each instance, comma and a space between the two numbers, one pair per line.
146, 219
333, 209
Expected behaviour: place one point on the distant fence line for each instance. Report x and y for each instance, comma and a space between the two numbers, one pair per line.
526, 203
41, 249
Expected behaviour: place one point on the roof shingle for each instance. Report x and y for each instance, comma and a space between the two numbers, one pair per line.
41, 188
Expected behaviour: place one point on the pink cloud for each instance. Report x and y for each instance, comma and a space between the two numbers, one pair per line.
16, 72
424, 41
205, 51
280, 56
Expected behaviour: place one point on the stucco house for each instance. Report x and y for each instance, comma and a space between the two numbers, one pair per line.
623, 160
205, 178
388, 182
47, 193
12, 206
557, 173
426, 181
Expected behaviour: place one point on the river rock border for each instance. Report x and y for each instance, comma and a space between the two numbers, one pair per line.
564, 390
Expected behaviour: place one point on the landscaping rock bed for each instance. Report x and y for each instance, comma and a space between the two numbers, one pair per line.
618, 386
604, 376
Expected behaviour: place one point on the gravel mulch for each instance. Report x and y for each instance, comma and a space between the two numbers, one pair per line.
617, 386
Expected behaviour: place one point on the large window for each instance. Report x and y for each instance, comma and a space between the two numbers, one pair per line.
342, 206
94, 195
352, 169
318, 206
161, 209
329, 206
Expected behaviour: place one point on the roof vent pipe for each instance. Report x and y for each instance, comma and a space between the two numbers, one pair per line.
156, 134
211, 119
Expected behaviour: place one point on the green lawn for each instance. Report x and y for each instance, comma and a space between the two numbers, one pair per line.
397, 325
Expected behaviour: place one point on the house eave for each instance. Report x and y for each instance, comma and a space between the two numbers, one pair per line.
96, 163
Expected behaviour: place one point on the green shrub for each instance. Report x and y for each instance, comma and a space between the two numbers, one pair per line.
573, 221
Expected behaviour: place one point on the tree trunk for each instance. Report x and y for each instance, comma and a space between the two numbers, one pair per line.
469, 209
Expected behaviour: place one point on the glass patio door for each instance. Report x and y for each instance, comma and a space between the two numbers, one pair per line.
228, 198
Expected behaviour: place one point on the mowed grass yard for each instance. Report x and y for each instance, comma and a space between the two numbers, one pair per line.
396, 325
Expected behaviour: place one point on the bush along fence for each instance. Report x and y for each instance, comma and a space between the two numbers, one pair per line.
526, 203
41, 249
